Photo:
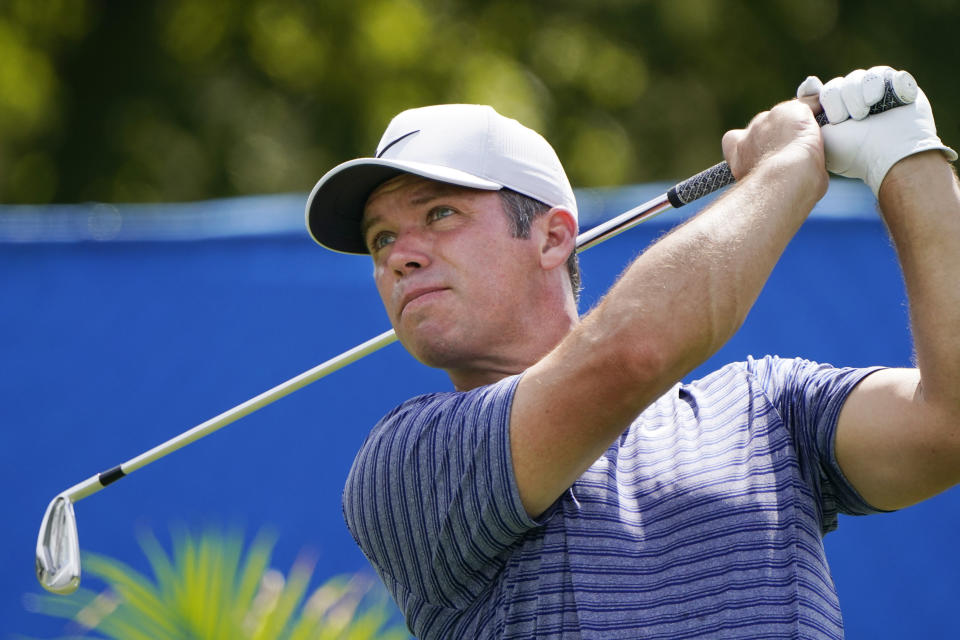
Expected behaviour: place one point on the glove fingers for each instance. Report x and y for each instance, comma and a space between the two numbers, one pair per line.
809, 87
857, 146
873, 86
852, 89
831, 98
854, 94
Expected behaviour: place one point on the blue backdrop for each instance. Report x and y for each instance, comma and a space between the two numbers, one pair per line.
120, 328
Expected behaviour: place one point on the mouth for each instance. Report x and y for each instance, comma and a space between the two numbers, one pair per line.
419, 297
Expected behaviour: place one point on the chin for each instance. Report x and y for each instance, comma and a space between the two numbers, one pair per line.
438, 353
431, 342
436, 356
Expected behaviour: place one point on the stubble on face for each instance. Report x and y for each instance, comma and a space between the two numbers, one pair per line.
470, 256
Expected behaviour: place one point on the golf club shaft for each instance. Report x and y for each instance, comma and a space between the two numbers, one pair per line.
691, 189
97, 482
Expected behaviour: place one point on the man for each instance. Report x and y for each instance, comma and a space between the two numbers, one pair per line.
571, 486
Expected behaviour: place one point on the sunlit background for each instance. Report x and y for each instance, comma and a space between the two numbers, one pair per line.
155, 157
190, 99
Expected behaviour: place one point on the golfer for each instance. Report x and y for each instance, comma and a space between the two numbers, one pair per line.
572, 486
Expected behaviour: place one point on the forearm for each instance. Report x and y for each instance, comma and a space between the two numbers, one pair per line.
670, 310
920, 202
688, 294
898, 436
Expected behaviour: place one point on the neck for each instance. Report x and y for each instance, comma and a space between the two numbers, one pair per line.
533, 341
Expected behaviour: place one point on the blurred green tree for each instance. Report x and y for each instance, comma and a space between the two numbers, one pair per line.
165, 100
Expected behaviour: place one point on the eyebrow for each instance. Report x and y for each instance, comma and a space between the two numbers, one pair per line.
433, 192
365, 226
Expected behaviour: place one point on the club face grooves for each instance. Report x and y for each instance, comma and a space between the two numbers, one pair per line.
58, 548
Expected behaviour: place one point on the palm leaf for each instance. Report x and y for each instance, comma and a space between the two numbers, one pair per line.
210, 588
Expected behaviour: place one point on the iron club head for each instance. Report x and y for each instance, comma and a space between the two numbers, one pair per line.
58, 548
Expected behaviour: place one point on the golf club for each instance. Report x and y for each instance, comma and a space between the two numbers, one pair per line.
58, 551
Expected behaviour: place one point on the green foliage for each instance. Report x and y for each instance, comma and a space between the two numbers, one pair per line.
209, 588
163, 100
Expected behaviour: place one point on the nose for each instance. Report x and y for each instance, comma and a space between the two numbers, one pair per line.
410, 252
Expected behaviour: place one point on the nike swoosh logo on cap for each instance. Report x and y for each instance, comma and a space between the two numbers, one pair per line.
395, 141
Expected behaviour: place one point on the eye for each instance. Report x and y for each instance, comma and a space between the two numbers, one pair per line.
379, 241
440, 212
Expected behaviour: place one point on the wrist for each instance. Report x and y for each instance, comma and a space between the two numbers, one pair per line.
915, 177
801, 168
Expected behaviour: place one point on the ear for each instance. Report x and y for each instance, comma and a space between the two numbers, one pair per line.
557, 236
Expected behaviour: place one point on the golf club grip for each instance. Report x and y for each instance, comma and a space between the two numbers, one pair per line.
719, 175
702, 184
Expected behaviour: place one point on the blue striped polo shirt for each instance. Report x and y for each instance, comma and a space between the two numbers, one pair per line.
703, 519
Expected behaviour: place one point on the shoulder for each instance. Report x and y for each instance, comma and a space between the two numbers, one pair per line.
449, 409
434, 426
772, 371
428, 464
807, 395
748, 373
781, 382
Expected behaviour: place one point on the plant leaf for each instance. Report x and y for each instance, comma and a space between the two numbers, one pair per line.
209, 588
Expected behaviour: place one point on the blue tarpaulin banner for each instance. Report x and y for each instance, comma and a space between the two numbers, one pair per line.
122, 326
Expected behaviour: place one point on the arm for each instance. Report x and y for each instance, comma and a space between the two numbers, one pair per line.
898, 436
672, 308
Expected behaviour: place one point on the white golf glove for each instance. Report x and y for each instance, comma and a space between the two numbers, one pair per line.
857, 146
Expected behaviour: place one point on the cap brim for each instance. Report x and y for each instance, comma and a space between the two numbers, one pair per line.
335, 206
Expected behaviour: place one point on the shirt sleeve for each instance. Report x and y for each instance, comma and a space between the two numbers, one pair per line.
431, 498
809, 396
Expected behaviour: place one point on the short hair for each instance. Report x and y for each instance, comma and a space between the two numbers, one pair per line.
522, 210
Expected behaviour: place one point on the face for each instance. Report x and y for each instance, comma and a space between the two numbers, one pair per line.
452, 278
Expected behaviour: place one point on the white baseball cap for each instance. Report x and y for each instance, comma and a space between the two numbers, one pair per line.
462, 144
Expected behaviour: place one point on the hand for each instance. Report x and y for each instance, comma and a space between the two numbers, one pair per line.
787, 132
864, 147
